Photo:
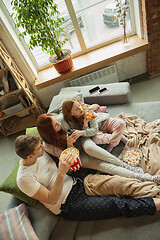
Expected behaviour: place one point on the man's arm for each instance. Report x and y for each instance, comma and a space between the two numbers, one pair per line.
51, 197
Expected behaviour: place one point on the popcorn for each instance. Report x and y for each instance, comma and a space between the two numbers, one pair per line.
76, 162
132, 156
90, 116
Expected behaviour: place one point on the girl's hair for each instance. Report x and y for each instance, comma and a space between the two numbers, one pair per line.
48, 133
25, 145
66, 109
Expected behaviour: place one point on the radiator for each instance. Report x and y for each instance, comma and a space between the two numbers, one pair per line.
102, 76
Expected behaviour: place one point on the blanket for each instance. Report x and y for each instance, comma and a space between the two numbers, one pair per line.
146, 137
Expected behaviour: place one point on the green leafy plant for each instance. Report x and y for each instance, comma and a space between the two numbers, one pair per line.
41, 20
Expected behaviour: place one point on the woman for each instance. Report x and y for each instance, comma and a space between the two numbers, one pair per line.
56, 140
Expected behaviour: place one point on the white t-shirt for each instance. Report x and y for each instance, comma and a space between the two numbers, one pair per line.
44, 171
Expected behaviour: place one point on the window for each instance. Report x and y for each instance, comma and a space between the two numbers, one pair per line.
87, 24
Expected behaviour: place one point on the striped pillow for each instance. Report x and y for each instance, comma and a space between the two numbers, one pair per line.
14, 224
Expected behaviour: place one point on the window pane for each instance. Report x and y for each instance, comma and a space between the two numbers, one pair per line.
100, 20
42, 58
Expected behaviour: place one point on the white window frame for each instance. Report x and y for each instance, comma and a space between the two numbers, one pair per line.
25, 53
84, 49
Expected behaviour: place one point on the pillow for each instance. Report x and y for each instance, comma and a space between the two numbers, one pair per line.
57, 101
10, 186
32, 131
15, 224
101, 109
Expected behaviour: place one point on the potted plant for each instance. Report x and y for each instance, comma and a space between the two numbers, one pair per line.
42, 21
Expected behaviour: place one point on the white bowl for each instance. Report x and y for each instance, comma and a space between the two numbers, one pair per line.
133, 156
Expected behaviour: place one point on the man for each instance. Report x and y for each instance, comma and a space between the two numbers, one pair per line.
39, 178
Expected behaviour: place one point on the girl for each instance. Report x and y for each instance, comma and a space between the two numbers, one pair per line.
56, 140
76, 117
103, 129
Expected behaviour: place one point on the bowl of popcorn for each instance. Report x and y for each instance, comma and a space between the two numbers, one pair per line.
133, 156
76, 162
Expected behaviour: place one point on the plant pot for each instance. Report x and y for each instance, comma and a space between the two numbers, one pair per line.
63, 65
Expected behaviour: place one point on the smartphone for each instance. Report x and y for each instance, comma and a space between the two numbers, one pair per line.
70, 131
95, 89
103, 90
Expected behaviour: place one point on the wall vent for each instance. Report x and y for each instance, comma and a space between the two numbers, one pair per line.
102, 76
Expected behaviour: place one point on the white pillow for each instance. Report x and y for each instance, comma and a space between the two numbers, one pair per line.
57, 101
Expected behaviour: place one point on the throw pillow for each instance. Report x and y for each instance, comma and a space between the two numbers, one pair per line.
14, 224
57, 101
10, 186
32, 131
101, 109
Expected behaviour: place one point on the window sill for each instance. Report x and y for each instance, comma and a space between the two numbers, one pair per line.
93, 60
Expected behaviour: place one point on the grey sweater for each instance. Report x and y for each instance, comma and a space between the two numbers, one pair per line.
94, 125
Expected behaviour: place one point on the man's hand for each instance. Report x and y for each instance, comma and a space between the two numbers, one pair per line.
65, 164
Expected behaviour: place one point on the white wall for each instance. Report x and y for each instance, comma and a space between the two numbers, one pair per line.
131, 66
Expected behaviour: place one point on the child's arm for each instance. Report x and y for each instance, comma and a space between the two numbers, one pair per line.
92, 107
90, 131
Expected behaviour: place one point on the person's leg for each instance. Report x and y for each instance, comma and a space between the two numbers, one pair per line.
99, 159
80, 207
124, 139
96, 151
111, 134
116, 127
105, 167
102, 138
104, 185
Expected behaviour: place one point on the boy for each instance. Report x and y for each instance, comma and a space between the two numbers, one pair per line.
39, 177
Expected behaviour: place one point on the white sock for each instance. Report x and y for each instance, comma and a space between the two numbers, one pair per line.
124, 139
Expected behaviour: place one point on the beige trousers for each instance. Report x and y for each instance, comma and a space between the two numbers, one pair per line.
103, 185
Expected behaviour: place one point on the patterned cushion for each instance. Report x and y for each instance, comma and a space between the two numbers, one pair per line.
14, 224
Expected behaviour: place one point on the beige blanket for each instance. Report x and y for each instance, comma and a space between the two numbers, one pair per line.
146, 137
